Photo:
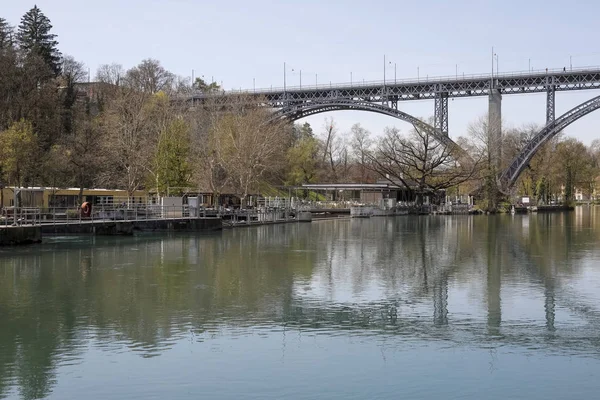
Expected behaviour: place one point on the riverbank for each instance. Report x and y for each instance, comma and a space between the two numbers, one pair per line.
17, 235
553, 208
30, 234
117, 228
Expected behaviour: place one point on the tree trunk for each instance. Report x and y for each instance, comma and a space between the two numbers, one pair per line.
157, 185
569, 186
419, 199
80, 195
130, 194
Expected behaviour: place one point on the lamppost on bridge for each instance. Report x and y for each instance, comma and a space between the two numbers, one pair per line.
497, 70
493, 63
300, 77
571, 63
284, 77
384, 68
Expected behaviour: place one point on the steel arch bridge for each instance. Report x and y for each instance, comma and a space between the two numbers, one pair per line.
383, 97
511, 174
297, 111
390, 94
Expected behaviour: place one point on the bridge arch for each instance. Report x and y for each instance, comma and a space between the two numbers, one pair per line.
295, 112
511, 174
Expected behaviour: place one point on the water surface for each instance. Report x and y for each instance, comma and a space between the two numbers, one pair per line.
409, 307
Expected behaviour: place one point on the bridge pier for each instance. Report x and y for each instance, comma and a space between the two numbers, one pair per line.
495, 128
440, 112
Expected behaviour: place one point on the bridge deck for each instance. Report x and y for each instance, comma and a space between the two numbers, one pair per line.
457, 86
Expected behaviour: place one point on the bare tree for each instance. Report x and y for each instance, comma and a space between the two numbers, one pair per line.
110, 74
485, 144
150, 77
595, 151
330, 135
209, 170
247, 143
83, 151
335, 152
127, 143
420, 162
361, 142
73, 73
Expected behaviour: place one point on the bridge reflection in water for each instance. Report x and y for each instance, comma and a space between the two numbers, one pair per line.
523, 281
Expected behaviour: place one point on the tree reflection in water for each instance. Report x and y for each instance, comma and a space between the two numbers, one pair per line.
421, 278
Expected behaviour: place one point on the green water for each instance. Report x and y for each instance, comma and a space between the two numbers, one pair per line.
503, 307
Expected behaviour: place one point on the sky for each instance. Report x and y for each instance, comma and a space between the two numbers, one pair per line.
241, 42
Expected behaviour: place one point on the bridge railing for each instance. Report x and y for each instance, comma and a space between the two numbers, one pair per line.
332, 204
20, 216
258, 215
106, 213
408, 81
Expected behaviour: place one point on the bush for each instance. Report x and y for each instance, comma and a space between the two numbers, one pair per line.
504, 207
72, 214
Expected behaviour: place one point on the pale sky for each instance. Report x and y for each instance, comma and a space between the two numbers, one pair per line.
238, 41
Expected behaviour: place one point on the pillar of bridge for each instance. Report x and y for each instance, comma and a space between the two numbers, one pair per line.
440, 112
495, 127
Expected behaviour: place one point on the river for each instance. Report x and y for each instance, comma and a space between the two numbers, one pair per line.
430, 307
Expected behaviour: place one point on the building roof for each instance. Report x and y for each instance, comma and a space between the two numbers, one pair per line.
350, 186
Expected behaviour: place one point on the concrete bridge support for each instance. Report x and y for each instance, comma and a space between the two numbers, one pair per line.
495, 128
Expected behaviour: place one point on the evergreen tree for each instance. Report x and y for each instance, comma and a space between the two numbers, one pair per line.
34, 36
6, 34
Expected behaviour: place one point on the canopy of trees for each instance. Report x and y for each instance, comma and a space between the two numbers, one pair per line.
562, 166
